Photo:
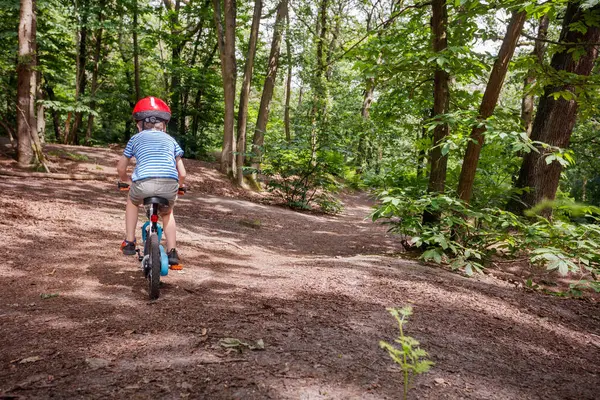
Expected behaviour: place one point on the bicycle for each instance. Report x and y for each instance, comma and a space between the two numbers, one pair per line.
154, 260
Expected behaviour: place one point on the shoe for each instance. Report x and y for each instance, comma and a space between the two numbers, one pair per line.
128, 248
173, 257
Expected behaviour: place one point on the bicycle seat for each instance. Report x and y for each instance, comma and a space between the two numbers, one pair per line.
156, 200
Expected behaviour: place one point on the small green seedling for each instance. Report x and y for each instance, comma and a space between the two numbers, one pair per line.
410, 357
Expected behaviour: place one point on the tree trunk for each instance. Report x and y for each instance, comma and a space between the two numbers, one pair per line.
196, 115
198, 100
300, 93
334, 40
25, 65
319, 87
226, 40
176, 43
40, 113
33, 89
176, 118
555, 118
131, 86
67, 127
288, 82
245, 92
186, 89
97, 54
81, 75
136, 52
441, 99
421, 153
267, 94
488, 104
58, 135
538, 51
364, 140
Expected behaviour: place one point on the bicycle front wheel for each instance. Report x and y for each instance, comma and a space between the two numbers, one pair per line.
154, 261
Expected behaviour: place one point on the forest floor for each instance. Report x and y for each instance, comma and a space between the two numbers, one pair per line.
75, 321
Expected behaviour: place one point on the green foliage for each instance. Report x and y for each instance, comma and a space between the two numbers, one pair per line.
409, 356
300, 179
466, 238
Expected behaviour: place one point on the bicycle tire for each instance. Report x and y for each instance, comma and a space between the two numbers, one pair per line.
154, 273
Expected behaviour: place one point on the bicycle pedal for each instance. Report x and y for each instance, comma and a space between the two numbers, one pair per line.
176, 267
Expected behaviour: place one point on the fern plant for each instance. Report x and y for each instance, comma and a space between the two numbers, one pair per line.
409, 356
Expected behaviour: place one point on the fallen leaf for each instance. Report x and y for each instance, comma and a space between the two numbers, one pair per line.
129, 332
236, 344
439, 381
231, 343
30, 359
204, 331
52, 273
45, 296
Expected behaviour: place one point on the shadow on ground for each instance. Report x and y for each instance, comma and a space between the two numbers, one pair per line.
76, 323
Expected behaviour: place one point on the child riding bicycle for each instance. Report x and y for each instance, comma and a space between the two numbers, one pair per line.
159, 171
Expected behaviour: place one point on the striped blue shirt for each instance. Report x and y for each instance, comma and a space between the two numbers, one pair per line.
155, 153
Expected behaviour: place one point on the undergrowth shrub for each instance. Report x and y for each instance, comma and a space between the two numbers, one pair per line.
301, 180
466, 238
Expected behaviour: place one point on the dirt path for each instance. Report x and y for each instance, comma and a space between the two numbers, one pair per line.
313, 288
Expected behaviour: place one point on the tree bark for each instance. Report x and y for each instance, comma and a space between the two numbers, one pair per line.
226, 40
25, 65
555, 118
421, 153
136, 52
364, 140
319, 86
58, 135
186, 89
176, 43
40, 112
198, 99
334, 40
528, 99
267, 94
33, 89
441, 99
488, 104
81, 75
130, 83
245, 92
94, 89
288, 82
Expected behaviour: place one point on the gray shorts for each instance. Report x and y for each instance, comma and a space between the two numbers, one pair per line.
161, 187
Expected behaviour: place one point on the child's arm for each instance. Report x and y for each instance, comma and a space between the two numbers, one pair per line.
180, 171
122, 169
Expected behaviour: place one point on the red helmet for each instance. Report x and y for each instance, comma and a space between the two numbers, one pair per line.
150, 107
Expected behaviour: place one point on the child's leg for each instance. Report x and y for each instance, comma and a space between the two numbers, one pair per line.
131, 217
170, 229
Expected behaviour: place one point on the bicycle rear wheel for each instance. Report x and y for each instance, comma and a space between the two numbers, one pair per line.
154, 262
